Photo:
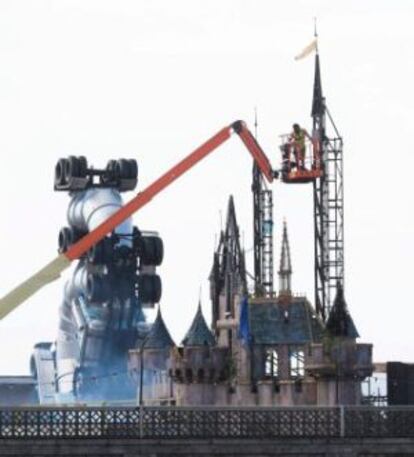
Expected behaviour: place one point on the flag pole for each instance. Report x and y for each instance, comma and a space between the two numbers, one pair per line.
315, 33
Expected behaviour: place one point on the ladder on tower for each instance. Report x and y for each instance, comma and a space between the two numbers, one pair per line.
266, 198
329, 225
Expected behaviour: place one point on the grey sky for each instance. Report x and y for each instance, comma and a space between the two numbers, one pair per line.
154, 79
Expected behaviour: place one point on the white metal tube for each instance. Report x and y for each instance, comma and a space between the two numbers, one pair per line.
88, 209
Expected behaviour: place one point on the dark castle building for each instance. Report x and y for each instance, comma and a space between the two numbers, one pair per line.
258, 351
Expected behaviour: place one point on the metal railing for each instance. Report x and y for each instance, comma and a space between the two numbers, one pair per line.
205, 422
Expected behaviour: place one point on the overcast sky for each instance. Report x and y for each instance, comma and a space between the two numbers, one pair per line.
152, 80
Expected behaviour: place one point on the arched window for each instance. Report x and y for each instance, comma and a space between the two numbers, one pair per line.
297, 362
271, 363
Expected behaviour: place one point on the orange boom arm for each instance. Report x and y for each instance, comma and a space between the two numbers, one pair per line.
144, 197
53, 269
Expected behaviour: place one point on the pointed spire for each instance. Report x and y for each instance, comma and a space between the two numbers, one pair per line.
285, 268
318, 103
228, 274
159, 336
231, 254
199, 334
340, 322
231, 222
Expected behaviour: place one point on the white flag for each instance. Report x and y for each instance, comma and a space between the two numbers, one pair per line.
309, 48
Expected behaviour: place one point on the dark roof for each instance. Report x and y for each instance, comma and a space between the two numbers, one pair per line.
276, 323
318, 103
340, 322
159, 337
199, 334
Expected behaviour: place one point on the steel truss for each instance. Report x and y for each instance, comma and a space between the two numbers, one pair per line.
328, 196
263, 235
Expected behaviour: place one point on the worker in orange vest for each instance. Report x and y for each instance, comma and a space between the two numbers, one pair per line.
297, 139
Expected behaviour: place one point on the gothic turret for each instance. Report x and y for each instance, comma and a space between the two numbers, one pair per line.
150, 364
199, 334
159, 336
230, 254
228, 276
340, 322
285, 268
340, 364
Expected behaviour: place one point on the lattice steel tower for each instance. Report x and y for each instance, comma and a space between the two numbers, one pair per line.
262, 233
328, 203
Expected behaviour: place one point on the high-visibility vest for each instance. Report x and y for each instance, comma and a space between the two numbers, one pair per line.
299, 138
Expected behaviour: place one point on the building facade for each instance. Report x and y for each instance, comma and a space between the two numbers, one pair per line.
258, 351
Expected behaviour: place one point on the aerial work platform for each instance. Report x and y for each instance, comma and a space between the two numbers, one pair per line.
300, 166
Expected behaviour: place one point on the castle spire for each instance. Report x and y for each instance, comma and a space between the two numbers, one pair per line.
285, 268
340, 322
318, 102
159, 336
230, 255
199, 334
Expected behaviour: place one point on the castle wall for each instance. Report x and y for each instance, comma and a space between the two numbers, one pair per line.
244, 395
158, 386
194, 394
203, 380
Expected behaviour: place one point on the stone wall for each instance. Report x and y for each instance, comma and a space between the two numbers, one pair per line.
209, 448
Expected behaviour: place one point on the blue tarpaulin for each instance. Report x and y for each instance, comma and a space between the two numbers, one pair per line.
244, 326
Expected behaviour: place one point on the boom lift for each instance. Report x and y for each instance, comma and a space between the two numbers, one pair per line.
53, 270
323, 169
292, 172
321, 166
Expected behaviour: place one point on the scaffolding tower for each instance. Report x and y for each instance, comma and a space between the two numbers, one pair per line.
328, 204
263, 235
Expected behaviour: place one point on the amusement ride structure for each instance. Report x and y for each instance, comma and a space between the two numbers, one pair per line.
101, 314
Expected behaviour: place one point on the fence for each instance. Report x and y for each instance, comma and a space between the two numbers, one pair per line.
206, 422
